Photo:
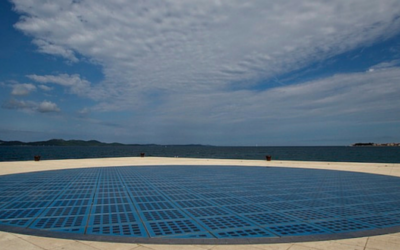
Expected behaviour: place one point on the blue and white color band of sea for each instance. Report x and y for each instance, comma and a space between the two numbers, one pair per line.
332, 154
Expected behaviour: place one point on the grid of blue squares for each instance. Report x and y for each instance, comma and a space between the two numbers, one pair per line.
200, 201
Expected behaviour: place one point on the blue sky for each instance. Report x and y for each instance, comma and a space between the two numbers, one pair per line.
211, 72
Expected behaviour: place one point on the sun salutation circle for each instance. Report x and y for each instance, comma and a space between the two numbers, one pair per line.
199, 204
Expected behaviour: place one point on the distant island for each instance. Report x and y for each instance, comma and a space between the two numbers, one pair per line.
59, 142
371, 144
91, 143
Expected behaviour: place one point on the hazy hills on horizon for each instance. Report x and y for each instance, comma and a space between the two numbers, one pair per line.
94, 143
61, 142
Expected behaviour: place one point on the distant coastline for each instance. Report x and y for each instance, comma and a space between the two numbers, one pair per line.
59, 142
372, 144
95, 143
90, 143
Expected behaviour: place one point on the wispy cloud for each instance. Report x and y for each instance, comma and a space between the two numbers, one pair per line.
31, 106
311, 109
384, 65
191, 68
45, 88
73, 82
22, 89
52, 49
16, 104
172, 46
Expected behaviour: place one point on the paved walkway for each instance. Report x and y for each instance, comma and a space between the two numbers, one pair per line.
18, 241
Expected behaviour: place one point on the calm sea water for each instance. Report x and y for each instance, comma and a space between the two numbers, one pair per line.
335, 154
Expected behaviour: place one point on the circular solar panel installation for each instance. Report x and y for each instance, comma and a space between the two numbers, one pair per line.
199, 204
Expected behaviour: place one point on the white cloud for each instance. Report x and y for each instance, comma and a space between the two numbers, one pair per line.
384, 65
84, 112
154, 47
45, 88
47, 107
17, 104
334, 103
31, 106
73, 82
22, 89
48, 48
185, 67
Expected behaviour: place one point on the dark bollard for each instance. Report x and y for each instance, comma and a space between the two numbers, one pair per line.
141, 154
37, 157
268, 157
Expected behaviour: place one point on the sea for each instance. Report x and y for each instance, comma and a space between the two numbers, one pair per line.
333, 154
